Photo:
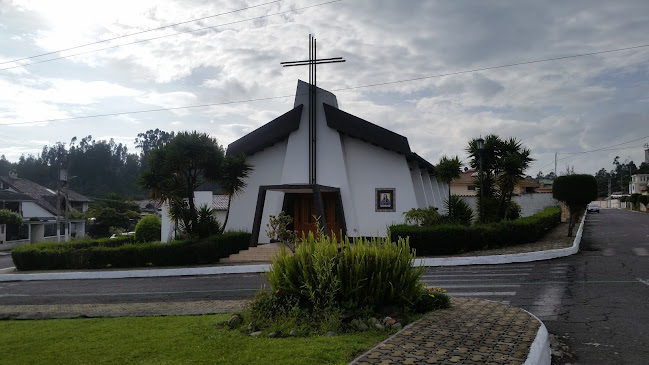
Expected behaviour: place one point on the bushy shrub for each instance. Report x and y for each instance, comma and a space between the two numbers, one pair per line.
148, 229
317, 287
122, 252
422, 217
448, 239
634, 200
458, 211
324, 273
643, 199
513, 211
9, 217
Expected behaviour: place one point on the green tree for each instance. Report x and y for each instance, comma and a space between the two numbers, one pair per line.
447, 170
513, 162
576, 191
503, 166
177, 168
148, 229
9, 217
235, 170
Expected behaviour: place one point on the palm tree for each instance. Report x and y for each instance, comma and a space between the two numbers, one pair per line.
447, 170
515, 159
235, 170
177, 168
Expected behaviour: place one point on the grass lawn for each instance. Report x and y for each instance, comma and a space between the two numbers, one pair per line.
165, 340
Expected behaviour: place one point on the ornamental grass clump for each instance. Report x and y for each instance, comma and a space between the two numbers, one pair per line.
326, 283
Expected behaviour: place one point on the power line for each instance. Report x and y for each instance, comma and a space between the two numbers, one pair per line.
497, 67
172, 35
340, 89
140, 32
607, 148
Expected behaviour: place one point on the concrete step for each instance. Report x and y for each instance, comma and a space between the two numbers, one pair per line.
261, 253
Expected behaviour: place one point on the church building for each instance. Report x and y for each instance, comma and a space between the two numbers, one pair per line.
318, 162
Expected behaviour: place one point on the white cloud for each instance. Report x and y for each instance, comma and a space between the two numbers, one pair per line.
578, 103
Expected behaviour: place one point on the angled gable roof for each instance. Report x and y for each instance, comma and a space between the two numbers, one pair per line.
268, 134
44, 197
358, 128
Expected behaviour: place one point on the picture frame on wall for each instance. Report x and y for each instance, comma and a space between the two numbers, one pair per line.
385, 199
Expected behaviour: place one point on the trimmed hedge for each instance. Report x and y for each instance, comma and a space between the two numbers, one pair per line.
123, 252
448, 239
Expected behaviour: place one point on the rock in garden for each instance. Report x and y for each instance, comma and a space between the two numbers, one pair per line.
379, 326
374, 321
251, 326
272, 335
235, 321
255, 334
386, 319
396, 326
390, 322
330, 334
363, 327
293, 333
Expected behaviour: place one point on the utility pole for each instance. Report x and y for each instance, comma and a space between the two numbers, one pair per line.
58, 207
555, 164
609, 191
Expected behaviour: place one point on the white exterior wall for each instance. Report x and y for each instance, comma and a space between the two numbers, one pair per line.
418, 185
372, 167
31, 209
267, 170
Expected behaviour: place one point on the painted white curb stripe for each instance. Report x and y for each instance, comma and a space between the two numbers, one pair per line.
540, 353
241, 269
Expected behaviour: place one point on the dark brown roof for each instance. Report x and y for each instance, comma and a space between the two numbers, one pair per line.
268, 134
44, 197
281, 127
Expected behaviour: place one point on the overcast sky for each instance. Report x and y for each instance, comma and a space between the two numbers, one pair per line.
565, 106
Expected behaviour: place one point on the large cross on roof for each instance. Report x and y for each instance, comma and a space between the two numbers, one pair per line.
312, 62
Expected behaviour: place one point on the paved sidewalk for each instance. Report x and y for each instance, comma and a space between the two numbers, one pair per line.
472, 331
120, 310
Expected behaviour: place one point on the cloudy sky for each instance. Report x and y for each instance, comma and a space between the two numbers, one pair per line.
410, 68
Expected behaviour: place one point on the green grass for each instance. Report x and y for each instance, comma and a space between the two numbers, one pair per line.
166, 340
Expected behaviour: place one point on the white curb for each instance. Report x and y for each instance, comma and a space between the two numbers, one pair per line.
241, 269
540, 353
507, 259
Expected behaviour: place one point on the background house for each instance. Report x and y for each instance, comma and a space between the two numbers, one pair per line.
638, 184
37, 205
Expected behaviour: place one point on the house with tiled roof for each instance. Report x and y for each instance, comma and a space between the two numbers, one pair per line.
466, 185
37, 205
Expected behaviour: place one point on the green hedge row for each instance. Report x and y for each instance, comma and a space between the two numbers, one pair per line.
448, 239
122, 252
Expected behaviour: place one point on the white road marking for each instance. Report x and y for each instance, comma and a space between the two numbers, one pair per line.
640, 251
465, 275
479, 286
483, 294
645, 282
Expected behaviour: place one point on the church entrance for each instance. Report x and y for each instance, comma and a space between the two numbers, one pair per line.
304, 213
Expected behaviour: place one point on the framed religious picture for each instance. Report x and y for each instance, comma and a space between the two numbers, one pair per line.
385, 200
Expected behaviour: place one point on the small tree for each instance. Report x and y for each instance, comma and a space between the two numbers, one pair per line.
447, 170
148, 229
634, 200
643, 199
9, 217
576, 191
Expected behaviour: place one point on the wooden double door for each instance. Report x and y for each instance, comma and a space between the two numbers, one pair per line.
304, 213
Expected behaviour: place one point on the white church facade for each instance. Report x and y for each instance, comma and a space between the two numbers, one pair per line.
355, 176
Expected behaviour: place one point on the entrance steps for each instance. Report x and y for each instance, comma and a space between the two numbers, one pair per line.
262, 253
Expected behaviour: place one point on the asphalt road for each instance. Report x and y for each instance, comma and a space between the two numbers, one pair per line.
595, 302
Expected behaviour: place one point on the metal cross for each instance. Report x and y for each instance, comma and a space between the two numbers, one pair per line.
312, 62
